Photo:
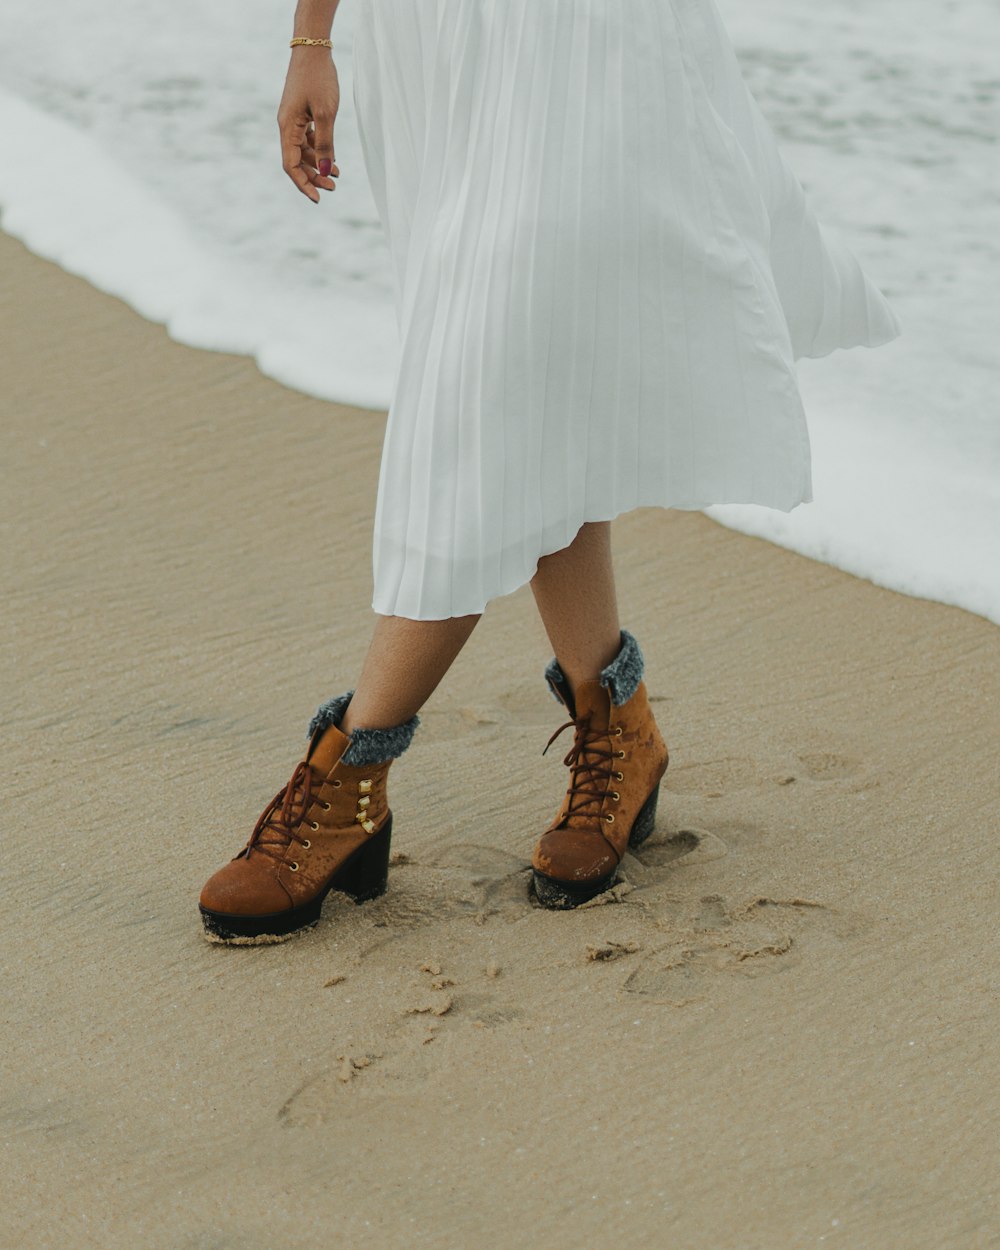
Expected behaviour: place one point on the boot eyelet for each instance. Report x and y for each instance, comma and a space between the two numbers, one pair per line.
618, 731
306, 844
615, 795
336, 783
293, 867
620, 754
619, 776
327, 806
610, 818
313, 825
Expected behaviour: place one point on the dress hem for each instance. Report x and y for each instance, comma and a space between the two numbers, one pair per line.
550, 549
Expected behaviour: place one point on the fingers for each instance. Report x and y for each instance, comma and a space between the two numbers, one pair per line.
323, 142
293, 167
299, 159
322, 166
316, 178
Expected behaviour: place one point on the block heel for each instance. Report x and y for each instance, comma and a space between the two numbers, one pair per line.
645, 822
366, 874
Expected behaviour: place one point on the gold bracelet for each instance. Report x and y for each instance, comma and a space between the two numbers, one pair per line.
312, 43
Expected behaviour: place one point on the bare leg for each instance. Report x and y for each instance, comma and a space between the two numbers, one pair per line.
575, 592
406, 659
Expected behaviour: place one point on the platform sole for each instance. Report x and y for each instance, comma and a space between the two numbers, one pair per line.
362, 876
561, 895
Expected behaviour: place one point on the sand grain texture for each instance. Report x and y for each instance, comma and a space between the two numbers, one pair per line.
787, 1035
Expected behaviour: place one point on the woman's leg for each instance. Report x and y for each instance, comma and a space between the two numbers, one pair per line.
575, 592
331, 825
618, 757
406, 659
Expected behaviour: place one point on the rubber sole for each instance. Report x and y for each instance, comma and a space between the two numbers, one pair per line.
362, 876
560, 895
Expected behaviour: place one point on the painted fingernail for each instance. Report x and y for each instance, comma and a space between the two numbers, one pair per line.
324, 167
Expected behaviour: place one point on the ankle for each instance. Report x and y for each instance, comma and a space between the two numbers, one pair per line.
360, 718
349, 722
595, 670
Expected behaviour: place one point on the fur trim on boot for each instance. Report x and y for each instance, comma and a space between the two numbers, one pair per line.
368, 746
621, 676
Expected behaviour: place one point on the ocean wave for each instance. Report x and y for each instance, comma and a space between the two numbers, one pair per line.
101, 222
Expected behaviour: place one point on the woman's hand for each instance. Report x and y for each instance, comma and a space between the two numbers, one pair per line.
306, 114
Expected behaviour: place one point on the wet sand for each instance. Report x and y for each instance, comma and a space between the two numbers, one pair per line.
778, 1033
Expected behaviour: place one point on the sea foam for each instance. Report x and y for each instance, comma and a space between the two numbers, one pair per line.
100, 222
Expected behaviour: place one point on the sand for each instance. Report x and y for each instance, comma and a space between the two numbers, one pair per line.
781, 1031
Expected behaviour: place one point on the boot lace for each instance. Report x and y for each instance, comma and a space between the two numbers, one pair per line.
591, 768
276, 828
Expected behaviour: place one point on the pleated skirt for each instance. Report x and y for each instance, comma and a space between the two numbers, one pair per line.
604, 271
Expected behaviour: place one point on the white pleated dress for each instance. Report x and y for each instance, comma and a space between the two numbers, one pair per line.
604, 273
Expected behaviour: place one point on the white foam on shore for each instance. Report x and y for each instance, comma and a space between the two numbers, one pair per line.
907, 522
163, 187
101, 223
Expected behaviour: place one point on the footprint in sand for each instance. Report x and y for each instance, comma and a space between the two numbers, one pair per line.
827, 767
675, 977
487, 1017
494, 881
712, 913
694, 846
438, 995
447, 881
746, 939
315, 1101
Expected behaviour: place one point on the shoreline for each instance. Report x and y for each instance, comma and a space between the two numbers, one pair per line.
781, 1030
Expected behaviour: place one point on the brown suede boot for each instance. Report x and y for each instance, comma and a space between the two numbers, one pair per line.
617, 761
328, 829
